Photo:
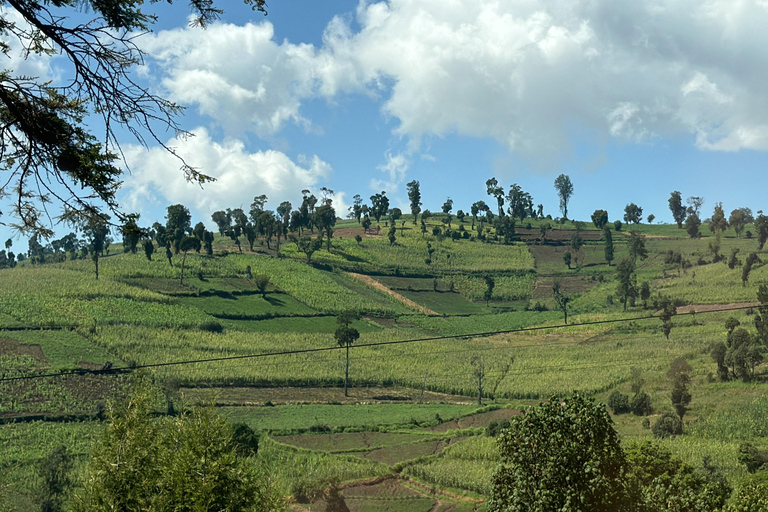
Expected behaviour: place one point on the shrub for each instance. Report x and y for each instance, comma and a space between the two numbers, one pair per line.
641, 404
753, 458
619, 403
617, 225
667, 425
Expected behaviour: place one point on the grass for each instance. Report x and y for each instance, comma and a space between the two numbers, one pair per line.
301, 417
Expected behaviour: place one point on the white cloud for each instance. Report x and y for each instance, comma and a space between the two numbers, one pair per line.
521, 72
395, 169
240, 176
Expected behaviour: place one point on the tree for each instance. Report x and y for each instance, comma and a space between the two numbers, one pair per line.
520, 203
478, 372
608, 245
636, 246
262, 282
379, 205
187, 462
177, 222
561, 300
743, 354
679, 211
576, 244
346, 336
564, 189
54, 471
45, 137
761, 316
718, 224
560, 455
490, 284
95, 230
694, 204
309, 246
752, 258
567, 257
284, 211
325, 219
208, 238
414, 196
692, 224
188, 243
477, 207
651, 218
738, 221
626, 287
761, 225
633, 214
356, 210
149, 249
600, 218
680, 374
257, 208
223, 220
494, 189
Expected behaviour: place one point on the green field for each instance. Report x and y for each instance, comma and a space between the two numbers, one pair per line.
57, 317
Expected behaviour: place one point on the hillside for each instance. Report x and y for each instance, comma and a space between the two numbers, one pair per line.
436, 316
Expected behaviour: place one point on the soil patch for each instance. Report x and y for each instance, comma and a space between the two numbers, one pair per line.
408, 302
476, 420
570, 286
11, 347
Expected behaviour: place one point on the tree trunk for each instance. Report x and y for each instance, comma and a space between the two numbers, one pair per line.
346, 374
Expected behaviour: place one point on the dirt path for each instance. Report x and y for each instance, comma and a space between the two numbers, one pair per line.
408, 302
700, 308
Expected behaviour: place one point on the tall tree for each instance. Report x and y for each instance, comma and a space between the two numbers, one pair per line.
718, 224
284, 211
680, 374
257, 208
132, 233
325, 219
494, 189
356, 210
223, 220
636, 245
447, 207
626, 287
679, 211
692, 224
761, 226
564, 189
345, 336
188, 243
561, 300
414, 196
477, 207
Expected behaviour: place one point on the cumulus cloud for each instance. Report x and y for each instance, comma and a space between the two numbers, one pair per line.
525, 73
240, 176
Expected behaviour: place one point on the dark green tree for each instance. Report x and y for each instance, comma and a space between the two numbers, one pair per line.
738, 221
309, 246
494, 189
608, 245
679, 211
718, 224
761, 226
132, 233
490, 284
149, 249
325, 219
600, 218
262, 282
414, 196
636, 246
379, 205
692, 224
223, 220
626, 287
520, 203
633, 214
178, 222
564, 189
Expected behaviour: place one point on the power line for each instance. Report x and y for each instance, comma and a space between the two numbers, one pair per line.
126, 369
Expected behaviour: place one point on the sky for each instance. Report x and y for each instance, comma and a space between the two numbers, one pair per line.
632, 100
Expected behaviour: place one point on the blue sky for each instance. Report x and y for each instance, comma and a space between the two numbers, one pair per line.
632, 101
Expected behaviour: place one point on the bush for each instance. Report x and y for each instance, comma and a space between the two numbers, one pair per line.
753, 458
752, 496
667, 425
619, 403
641, 404
617, 225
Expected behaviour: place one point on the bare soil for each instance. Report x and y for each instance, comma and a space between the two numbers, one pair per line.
408, 302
